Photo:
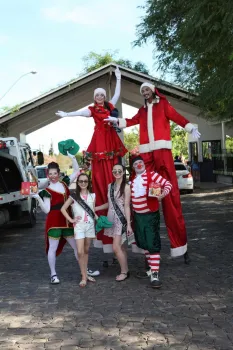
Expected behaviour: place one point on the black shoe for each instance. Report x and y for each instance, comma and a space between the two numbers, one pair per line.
105, 263
143, 274
187, 259
114, 261
93, 273
147, 267
154, 280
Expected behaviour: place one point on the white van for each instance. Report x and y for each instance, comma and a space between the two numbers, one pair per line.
42, 172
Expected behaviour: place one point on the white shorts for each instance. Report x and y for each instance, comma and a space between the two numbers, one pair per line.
84, 230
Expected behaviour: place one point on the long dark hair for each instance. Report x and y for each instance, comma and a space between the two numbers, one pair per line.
113, 112
123, 183
107, 105
53, 165
78, 189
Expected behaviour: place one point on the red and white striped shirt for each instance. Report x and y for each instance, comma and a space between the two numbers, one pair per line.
140, 204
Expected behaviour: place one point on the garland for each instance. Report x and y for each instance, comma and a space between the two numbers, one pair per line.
102, 155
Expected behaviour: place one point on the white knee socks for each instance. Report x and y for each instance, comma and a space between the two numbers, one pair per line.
53, 244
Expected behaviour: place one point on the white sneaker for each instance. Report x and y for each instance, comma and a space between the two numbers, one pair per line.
154, 280
93, 273
55, 279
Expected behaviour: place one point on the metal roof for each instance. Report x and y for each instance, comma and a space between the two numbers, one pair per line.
126, 73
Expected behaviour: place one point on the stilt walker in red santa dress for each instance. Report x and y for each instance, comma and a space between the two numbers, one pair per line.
155, 148
104, 149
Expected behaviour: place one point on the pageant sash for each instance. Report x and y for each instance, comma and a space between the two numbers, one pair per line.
118, 210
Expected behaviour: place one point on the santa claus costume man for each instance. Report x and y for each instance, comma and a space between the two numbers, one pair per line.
155, 148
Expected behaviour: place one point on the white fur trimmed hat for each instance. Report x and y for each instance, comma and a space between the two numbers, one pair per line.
147, 84
100, 91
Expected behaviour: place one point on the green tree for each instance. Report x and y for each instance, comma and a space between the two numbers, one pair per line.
193, 40
179, 141
79, 157
229, 143
95, 60
131, 139
12, 109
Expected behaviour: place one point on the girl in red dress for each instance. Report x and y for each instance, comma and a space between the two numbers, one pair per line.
104, 149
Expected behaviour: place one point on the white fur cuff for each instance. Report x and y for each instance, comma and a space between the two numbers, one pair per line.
121, 123
189, 127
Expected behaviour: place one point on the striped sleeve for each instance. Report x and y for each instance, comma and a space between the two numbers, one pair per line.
165, 184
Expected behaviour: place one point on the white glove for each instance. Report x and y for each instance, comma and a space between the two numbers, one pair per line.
118, 73
111, 119
195, 133
61, 114
75, 166
44, 204
70, 155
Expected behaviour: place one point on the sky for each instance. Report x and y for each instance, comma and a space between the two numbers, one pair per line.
51, 37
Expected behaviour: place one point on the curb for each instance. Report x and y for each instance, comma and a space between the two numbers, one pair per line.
216, 189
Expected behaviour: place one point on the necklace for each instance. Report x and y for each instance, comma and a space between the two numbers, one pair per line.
116, 186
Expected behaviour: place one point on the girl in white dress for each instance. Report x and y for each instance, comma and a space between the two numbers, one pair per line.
83, 206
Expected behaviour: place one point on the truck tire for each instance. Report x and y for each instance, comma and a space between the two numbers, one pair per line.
32, 213
4, 216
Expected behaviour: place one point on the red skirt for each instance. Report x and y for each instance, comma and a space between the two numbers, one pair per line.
101, 178
55, 219
105, 144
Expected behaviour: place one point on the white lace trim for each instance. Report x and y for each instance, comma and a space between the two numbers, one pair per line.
138, 188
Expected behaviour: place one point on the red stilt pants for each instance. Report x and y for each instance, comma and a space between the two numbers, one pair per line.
101, 178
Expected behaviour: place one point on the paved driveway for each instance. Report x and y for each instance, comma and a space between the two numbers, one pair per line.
193, 310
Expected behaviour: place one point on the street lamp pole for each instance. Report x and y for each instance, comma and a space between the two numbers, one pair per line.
32, 72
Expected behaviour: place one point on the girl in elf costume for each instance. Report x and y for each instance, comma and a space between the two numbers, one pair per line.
104, 149
57, 230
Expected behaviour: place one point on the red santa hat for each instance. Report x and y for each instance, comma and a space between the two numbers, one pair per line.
100, 91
